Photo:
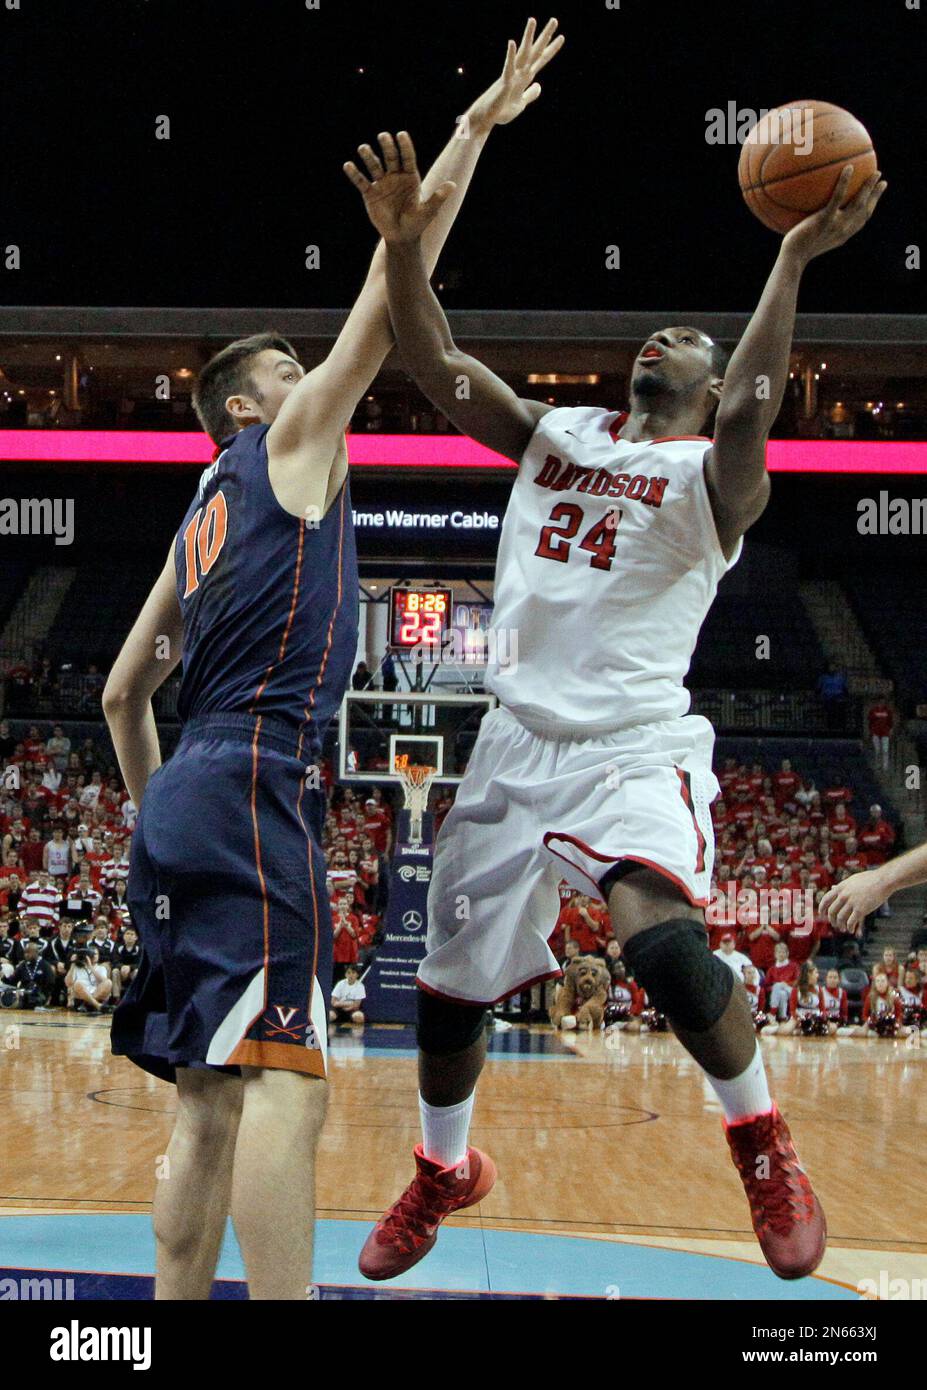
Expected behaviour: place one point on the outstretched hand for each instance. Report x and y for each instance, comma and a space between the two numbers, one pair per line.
833, 225
393, 193
517, 87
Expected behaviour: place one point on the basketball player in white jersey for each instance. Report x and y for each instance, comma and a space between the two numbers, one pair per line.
619, 528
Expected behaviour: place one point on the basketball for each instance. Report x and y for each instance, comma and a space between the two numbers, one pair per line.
792, 158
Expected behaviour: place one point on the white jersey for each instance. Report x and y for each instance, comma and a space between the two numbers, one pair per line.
609, 561
59, 858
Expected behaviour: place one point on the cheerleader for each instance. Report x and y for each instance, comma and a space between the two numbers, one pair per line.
757, 997
625, 999
836, 1004
807, 1014
882, 1016
913, 997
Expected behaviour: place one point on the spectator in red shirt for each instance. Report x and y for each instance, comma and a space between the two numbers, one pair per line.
376, 823
876, 838
803, 938
40, 903
881, 724
761, 940
346, 929
33, 852
588, 923
850, 856
834, 795
817, 872
815, 813
842, 824
727, 774
785, 783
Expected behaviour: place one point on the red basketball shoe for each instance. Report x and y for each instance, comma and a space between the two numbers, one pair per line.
410, 1228
787, 1217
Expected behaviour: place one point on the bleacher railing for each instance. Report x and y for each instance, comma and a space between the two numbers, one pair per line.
773, 711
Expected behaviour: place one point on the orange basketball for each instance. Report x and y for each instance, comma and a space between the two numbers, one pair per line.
792, 158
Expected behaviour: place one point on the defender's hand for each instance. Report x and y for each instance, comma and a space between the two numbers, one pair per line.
393, 193
833, 225
849, 903
516, 88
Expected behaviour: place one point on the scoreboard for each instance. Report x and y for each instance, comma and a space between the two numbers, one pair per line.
418, 617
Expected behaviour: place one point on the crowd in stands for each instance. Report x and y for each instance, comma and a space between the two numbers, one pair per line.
67, 939
781, 843
66, 824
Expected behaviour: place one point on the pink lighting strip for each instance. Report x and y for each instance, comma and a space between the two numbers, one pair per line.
437, 451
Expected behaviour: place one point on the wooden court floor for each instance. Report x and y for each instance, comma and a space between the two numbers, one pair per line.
616, 1143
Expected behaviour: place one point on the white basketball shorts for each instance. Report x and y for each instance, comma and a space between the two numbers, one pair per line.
532, 810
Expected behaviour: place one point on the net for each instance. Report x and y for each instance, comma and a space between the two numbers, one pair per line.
416, 784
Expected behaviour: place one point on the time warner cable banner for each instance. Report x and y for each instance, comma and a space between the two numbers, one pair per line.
390, 981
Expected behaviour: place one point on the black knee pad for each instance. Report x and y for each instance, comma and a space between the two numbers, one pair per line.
683, 979
444, 1027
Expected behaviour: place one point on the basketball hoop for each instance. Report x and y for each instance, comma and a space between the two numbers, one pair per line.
416, 784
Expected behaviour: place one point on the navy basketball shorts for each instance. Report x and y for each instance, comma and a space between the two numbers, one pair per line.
227, 889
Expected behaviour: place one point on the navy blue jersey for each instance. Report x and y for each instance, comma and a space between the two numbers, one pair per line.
269, 600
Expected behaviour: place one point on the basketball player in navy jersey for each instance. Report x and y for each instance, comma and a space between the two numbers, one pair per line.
259, 595
591, 768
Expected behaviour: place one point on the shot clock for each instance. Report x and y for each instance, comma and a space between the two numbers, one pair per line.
418, 617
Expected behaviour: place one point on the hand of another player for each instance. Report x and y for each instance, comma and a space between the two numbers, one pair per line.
393, 193
833, 225
516, 89
847, 904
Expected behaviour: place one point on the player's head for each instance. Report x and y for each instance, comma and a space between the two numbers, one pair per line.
245, 384
679, 367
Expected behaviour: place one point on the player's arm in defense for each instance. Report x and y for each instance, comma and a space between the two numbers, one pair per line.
754, 384
849, 903
151, 652
306, 441
471, 396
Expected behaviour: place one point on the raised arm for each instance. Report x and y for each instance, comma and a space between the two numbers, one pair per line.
307, 436
476, 400
736, 466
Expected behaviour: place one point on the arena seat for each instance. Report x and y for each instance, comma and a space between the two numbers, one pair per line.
855, 981
14, 576
727, 654
97, 613
891, 612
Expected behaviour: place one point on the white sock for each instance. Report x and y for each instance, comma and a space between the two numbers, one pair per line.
445, 1129
746, 1094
